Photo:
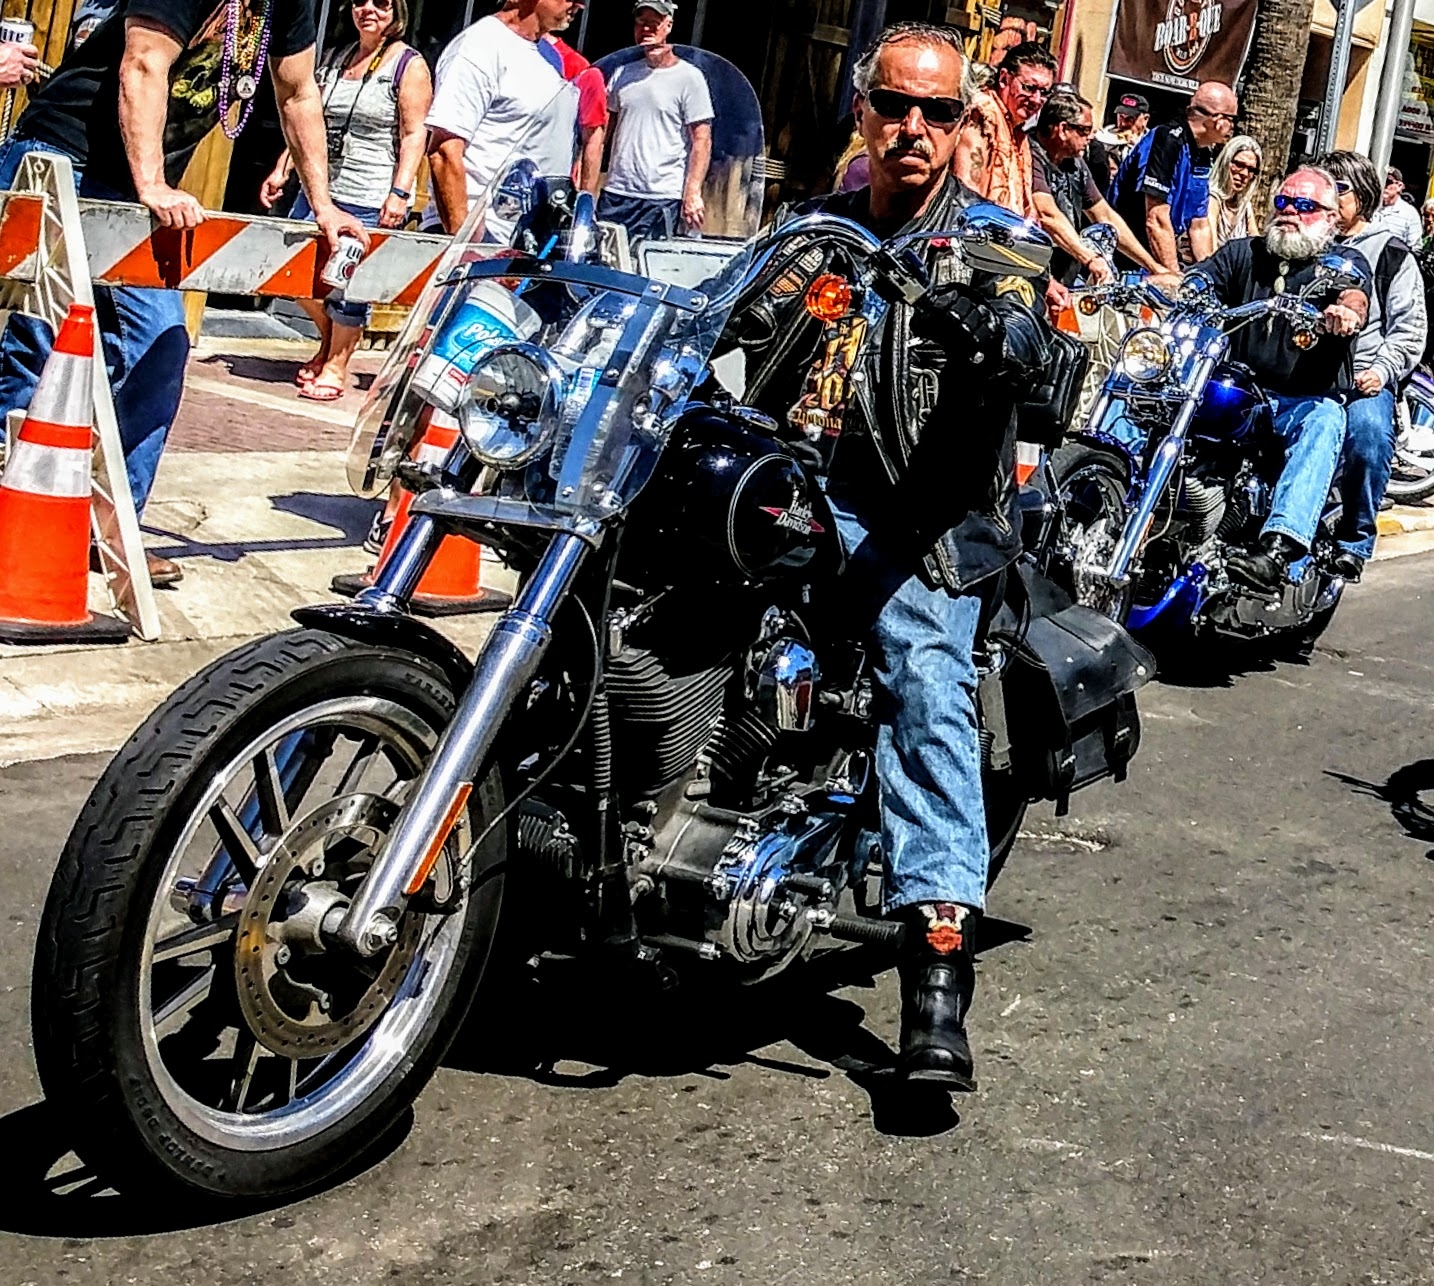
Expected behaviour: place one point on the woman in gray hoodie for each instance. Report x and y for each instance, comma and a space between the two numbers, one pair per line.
1385, 354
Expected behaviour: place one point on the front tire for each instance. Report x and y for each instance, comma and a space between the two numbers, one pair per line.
206, 1044
1411, 477
1092, 484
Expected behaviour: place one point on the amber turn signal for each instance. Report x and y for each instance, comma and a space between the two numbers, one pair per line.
829, 297
1088, 305
1305, 339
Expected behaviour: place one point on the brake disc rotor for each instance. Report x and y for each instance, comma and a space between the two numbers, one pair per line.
300, 1000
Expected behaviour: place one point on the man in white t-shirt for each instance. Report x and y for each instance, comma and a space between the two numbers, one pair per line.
1396, 214
661, 134
496, 100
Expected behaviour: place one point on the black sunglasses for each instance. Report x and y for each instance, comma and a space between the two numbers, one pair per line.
895, 106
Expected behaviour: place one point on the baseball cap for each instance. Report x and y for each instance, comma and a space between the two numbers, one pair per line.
1133, 105
1394, 175
667, 8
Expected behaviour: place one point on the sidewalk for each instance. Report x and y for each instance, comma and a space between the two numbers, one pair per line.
252, 501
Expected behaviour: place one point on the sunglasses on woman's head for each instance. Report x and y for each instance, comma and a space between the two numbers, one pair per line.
895, 106
1299, 204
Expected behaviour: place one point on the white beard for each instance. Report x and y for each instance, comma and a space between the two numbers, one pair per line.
1297, 244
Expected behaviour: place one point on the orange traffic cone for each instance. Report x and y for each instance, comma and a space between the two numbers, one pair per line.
45, 503
453, 583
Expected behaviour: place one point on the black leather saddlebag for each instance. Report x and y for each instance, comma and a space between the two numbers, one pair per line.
1070, 693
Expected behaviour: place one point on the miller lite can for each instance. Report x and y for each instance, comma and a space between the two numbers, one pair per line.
16, 31
339, 270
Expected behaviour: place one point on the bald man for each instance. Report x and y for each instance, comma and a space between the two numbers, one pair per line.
1162, 188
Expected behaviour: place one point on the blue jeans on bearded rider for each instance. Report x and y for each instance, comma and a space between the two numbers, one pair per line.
928, 755
1313, 432
1368, 455
340, 311
145, 349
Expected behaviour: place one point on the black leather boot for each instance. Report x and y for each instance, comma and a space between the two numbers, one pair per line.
1265, 572
938, 977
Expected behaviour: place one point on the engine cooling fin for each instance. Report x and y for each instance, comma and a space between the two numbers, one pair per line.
660, 721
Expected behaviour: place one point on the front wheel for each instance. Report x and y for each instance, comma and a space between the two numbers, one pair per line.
1092, 484
1411, 476
191, 1021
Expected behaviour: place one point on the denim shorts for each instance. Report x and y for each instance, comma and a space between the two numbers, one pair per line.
340, 311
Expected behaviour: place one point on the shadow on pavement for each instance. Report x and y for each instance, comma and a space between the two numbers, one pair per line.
620, 1024
267, 370
1403, 792
347, 515
53, 1194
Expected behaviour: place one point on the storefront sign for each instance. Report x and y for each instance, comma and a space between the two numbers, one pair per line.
1176, 44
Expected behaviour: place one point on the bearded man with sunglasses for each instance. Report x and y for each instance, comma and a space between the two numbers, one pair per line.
1307, 386
922, 485
1162, 189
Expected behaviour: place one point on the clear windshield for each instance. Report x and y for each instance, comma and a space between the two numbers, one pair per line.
589, 335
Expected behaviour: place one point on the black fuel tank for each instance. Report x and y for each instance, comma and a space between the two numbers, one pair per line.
732, 505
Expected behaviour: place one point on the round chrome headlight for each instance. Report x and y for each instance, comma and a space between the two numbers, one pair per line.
1145, 356
510, 411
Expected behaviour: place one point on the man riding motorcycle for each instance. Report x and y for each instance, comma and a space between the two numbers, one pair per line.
1305, 384
922, 484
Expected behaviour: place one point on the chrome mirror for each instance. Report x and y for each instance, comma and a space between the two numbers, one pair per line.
998, 241
1335, 272
1102, 237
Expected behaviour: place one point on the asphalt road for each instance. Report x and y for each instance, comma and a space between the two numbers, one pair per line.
1203, 1035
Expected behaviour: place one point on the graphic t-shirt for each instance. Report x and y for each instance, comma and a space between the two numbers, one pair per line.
654, 107
1243, 271
77, 109
1167, 166
496, 91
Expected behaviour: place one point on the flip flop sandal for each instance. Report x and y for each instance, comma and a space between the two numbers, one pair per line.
321, 392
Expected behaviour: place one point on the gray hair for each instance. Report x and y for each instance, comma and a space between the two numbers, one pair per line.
863, 71
1318, 171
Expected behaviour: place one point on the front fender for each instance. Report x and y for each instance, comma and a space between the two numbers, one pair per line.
363, 625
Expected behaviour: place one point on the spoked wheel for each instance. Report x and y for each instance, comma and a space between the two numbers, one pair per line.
1093, 484
1411, 476
192, 1018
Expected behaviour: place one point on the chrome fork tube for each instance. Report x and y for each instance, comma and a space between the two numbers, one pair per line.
1157, 479
501, 675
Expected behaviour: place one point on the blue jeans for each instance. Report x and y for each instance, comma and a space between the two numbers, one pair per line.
644, 219
928, 753
340, 311
145, 344
1312, 429
1368, 455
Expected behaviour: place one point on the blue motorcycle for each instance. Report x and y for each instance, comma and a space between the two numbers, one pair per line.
1175, 467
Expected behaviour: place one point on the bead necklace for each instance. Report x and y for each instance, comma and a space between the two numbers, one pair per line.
244, 54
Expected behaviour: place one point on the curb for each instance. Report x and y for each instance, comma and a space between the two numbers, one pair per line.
1403, 519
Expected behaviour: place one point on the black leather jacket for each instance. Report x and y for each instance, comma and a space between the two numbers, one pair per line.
927, 454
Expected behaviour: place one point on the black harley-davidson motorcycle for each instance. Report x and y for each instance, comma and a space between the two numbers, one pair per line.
280, 900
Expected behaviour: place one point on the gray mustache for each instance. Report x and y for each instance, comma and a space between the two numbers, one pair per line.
911, 147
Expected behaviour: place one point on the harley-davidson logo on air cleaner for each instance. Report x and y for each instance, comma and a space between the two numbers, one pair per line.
1185, 34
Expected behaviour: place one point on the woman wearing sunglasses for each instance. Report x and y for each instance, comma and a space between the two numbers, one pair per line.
1233, 180
376, 94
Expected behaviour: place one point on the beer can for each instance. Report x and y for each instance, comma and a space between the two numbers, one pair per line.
339, 270
488, 317
16, 31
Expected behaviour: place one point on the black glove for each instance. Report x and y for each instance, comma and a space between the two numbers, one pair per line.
960, 323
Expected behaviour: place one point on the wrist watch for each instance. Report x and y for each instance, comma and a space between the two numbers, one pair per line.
401, 194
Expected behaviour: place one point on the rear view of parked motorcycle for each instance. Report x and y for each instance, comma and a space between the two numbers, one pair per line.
1411, 476
283, 896
1175, 469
